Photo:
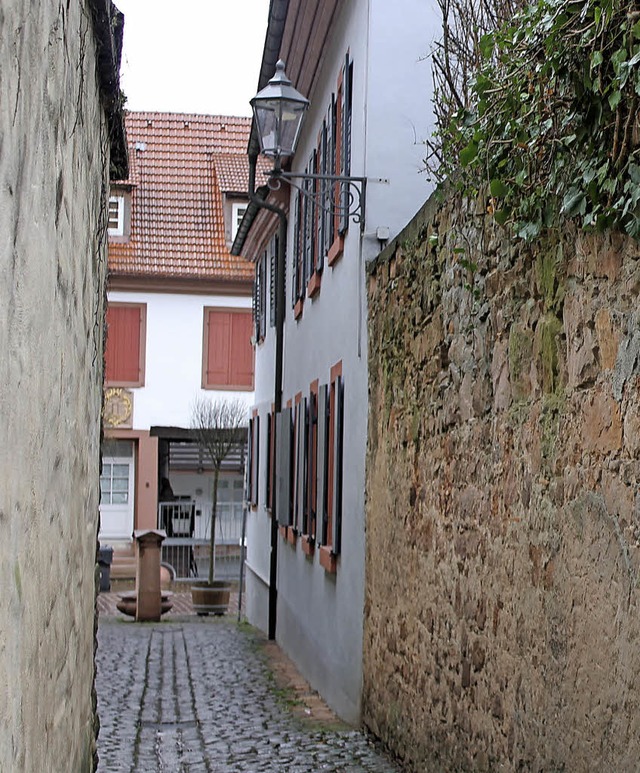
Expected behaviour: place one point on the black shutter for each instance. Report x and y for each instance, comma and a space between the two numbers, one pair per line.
254, 302
331, 162
322, 199
262, 298
283, 467
301, 410
267, 499
249, 475
255, 461
347, 83
297, 227
323, 466
309, 223
312, 444
338, 452
273, 257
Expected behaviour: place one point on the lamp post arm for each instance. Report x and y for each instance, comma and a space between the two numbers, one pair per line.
335, 194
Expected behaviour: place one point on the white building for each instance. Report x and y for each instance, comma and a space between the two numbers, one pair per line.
361, 64
179, 318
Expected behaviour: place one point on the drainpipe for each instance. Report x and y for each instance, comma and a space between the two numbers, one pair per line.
277, 389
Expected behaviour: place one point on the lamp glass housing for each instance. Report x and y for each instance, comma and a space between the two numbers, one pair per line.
279, 111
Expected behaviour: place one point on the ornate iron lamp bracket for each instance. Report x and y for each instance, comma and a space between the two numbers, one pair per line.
335, 194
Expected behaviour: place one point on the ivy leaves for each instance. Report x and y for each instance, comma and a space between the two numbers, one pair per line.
551, 132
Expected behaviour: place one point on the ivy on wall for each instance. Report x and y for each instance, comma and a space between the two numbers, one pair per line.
551, 130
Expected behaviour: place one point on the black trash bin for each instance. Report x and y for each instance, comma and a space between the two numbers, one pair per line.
105, 557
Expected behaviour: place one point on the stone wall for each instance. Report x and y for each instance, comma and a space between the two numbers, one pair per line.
54, 163
503, 521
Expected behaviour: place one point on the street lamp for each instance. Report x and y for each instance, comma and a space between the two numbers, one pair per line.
279, 111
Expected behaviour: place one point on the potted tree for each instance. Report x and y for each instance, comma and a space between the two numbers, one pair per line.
219, 426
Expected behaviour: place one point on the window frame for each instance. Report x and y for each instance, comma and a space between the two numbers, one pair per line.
231, 387
331, 528
118, 229
140, 381
236, 207
318, 236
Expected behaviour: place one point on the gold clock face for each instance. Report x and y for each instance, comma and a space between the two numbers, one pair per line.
118, 407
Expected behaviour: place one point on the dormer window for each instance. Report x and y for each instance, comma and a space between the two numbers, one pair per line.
237, 213
115, 225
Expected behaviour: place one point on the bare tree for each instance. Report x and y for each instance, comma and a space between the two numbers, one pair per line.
456, 59
219, 426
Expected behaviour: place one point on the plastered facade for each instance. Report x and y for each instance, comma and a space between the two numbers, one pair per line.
501, 606
54, 165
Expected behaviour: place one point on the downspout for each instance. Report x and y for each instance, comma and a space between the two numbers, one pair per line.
277, 389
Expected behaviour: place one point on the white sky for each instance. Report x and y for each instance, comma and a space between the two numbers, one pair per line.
192, 56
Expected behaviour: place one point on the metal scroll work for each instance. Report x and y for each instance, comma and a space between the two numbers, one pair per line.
334, 194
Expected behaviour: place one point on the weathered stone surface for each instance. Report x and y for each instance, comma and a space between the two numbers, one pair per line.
502, 633
54, 163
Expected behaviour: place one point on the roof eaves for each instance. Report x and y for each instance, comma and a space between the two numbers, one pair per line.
108, 25
247, 221
273, 41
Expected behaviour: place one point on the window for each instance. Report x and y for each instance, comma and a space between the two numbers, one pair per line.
274, 246
309, 526
237, 213
260, 298
228, 353
330, 468
125, 351
284, 435
253, 459
114, 483
264, 297
271, 450
300, 504
319, 230
115, 226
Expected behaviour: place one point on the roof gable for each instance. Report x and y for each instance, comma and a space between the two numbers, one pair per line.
177, 217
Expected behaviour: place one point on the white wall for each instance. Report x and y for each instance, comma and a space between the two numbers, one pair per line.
320, 615
174, 341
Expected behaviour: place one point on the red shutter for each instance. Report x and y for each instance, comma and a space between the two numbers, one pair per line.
218, 347
241, 353
123, 361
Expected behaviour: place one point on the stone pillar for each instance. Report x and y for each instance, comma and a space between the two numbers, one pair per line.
148, 544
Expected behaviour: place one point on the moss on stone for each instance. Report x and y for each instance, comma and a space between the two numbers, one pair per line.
551, 289
550, 329
520, 356
553, 408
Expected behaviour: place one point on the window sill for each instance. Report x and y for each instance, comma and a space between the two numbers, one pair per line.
123, 384
328, 560
308, 546
288, 533
229, 387
336, 250
313, 286
297, 309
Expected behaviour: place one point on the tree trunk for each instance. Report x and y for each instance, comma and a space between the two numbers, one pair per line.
214, 511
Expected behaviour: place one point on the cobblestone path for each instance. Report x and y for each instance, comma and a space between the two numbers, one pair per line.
197, 695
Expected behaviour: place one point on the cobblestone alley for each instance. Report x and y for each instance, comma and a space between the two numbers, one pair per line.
202, 694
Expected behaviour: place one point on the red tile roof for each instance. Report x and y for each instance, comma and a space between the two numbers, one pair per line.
177, 221
233, 172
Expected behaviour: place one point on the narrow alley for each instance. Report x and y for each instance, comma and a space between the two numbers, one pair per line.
204, 694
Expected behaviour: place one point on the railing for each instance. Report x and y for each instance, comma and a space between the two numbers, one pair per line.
186, 550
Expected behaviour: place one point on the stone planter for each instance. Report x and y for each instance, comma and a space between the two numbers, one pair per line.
211, 599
